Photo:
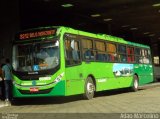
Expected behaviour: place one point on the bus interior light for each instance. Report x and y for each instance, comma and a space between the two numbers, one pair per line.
67, 5
156, 5
95, 15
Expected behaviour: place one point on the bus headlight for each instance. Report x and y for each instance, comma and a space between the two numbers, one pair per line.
58, 78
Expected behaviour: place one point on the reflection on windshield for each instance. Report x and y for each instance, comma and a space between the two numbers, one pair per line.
36, 56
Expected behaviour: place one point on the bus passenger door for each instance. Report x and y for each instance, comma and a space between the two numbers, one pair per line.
73, 68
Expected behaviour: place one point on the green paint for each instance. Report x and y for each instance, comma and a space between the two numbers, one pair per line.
74, 77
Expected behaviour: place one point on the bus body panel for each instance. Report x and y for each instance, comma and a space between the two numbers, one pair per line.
145, 73
57, 90
74, 80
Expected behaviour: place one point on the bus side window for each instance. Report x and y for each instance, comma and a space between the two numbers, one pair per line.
146, 56
149, 56
88, 49
72, 52
68, 49
130, 54
87, 54
75, 50
137, 53
100, 57
100, 50
112, 52
122, 53
111, 57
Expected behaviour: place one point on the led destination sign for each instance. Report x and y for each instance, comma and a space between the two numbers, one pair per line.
35, 34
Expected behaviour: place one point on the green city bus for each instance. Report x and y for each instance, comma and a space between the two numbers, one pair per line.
61, 61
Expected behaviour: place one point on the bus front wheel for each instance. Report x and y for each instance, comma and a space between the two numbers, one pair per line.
89, 88
135, 83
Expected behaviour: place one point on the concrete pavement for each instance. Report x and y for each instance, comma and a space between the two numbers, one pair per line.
118, 104
151, 85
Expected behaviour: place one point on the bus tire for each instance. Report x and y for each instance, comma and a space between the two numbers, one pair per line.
89, 89
135, 83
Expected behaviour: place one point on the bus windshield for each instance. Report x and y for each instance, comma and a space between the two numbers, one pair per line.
36, 56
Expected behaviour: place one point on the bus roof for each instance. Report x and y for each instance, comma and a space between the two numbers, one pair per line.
101, 36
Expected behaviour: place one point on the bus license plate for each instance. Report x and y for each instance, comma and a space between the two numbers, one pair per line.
34, 89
